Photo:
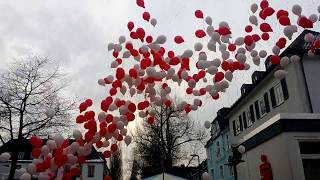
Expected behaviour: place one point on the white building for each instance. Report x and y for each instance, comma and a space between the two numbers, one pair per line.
94, 168
280, 119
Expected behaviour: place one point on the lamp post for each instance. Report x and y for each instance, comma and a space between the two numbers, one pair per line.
236, 158
196, 155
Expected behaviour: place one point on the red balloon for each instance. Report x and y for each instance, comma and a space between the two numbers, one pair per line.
248, 28
317, 44
107, 178
284, 21
130, 116
200, 33
262, 15
99, 144
89, 102
83, 106
167, 103
225, 65
255, 37
282, 13
132, 107
109, 118
265, 27
178, 39
146, 16
202, 91
120, 73
224, 31
232, 47
107, 154
201, 74
133, 73
115, 54
150, 120
265, 36
189, 90
130, 25
268, 11
111, 128
281, 42
149, 39
114, 147
35, 141
305, 22
120, 137
140, 33
80, 119
140, 3
113, 91
144, 63
264, 4
215, 97
170, 54
103, 131
248, 40
275, 59
133, 35
218, 77
187, 109
198, 14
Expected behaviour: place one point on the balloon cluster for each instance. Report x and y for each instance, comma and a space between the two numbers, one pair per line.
154, 65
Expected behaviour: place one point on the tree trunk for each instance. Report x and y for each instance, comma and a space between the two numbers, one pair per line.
14, 160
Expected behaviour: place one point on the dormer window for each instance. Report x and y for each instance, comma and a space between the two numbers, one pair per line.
262, 107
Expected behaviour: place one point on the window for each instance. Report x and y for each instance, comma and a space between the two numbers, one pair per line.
20, 155
218, 150
262, 107
221, 172
212, 173
249, 118
238, 127
90, 170
230, 170
278, 94
227, 142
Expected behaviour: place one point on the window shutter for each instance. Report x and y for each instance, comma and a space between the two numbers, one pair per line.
252, 114
266, 100
256, 105
273, 98
241, 124
244, 118
234, 128
284, 89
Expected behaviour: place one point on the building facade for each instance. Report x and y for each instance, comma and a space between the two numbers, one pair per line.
278, 121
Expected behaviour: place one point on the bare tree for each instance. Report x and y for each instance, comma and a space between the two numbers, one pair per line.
116, 164
162, 144
31, 101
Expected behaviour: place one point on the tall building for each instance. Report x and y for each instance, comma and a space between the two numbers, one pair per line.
278, 121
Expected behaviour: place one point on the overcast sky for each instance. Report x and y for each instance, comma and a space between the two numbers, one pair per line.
76, 34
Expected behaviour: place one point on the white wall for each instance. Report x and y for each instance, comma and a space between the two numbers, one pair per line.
98, 174
297, 102
283, 153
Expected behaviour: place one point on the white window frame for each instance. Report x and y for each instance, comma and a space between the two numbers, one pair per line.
278, 93
261, 102
237, 126
249, 118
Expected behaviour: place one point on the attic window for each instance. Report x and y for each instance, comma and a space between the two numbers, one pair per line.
20, 155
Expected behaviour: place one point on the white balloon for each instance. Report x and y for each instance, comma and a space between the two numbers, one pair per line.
228, 75
144, 48
208, 20
202, 56
154, 47
110, 46
117, 47
192, 83
276, 50
198, 46
212, 46
241, 50
205, 176
197, 102
202, 64
254, 53
224, 24
295, 59
263, 54
314, 18
31, 169
256, 60
246, 66
225, 55
309, 37
280, 74
212, 70
215, 36
284, 62
106, 143
222, 47
120, 125
132, 91
101, 82
196, 92
253, 20
161, 39
254, 8
142, 114
216, 62
153, 22
112, 107
210, 30
50, 113
207, 124
114, 64
51, 144
187, 53
74, 147
124, 131
122, 39
239, 41
123, 90
137, 58
241, 149
310, 53
241, 58
296, 9
25, 176
4, 157
127, 140
58, 139
126, 54
45, 150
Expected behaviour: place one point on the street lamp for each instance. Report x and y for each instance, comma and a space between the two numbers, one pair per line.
236, 158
